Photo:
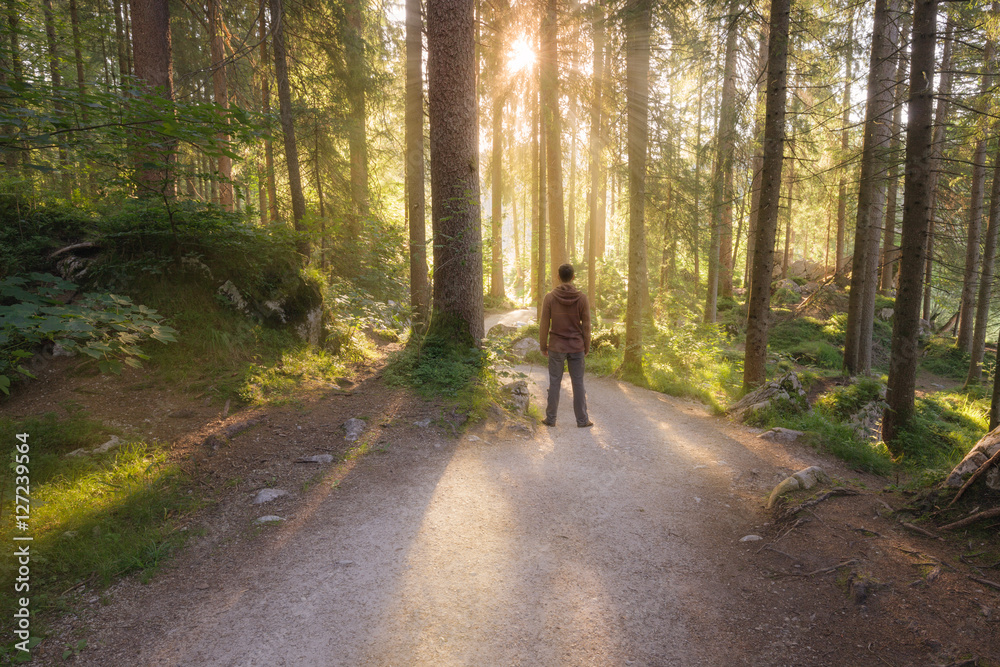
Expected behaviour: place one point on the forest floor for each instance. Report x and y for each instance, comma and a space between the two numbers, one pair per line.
513, 544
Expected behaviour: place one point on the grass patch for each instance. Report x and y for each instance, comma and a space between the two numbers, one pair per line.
92, 518
941, 357
944, 427
788, 334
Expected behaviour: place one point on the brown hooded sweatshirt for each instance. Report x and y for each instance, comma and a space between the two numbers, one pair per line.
565, 322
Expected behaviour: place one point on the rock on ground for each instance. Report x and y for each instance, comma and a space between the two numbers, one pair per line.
354, 427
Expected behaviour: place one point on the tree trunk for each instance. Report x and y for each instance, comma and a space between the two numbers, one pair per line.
123, 45
995, 402
287, 125
15, 153
696, 222
78, 57
595, 154
759, 300
940, 118
888, 266
721, 247
543, 214
458, 264
152, 57
844, 146
553, 139
758, 158
790, 191
638, 18
970, 279
265, 98
496, 219
518, 273
56, 79
415, 203
354, 48
220, 87
532, 251
871, 191
916, 219
990, 240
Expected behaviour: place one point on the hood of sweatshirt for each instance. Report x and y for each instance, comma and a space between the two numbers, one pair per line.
566, 294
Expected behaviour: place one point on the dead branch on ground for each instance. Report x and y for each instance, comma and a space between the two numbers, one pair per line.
978, 516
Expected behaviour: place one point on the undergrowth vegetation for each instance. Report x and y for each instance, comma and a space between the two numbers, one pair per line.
93, 517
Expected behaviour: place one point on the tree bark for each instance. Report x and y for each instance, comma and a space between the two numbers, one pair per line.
990, 241
152, 57
986, 282
721, 247
415, 203
595, 154
454, 135
940, 119
758, 158
553, 139
496, 218
888, 265
288, 126
354, 48
265, 98
916, 220
871, 191
970, 278
790, 192
220, 88
638, 20
844, 146
759, 300
122, 43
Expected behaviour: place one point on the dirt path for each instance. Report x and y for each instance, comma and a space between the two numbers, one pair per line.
615, 545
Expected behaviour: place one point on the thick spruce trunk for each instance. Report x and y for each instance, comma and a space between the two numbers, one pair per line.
454, 136
759, 300
916, 220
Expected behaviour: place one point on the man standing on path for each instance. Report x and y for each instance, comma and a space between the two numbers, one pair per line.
564, 335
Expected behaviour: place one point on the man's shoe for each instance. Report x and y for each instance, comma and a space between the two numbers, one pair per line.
587, 425
549, 422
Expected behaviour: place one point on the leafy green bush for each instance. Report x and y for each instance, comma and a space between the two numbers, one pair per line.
105, 327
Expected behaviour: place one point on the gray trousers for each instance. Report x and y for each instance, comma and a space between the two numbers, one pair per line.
556, 362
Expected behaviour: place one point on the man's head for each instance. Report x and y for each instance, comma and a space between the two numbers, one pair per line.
566, 273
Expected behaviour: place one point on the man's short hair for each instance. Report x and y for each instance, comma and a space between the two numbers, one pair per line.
566, 273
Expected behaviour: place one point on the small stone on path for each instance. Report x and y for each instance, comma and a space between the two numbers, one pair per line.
269, 518
267, 495
751, 538
354, 427
318, 458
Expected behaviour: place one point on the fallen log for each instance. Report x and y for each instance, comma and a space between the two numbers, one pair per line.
982, 469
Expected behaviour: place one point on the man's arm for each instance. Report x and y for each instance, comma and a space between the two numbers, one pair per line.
585, 320
543, 326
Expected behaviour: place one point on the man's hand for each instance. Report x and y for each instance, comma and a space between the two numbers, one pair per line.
545, 353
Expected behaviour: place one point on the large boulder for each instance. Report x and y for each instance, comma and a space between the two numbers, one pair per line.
980, 454
785, 393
